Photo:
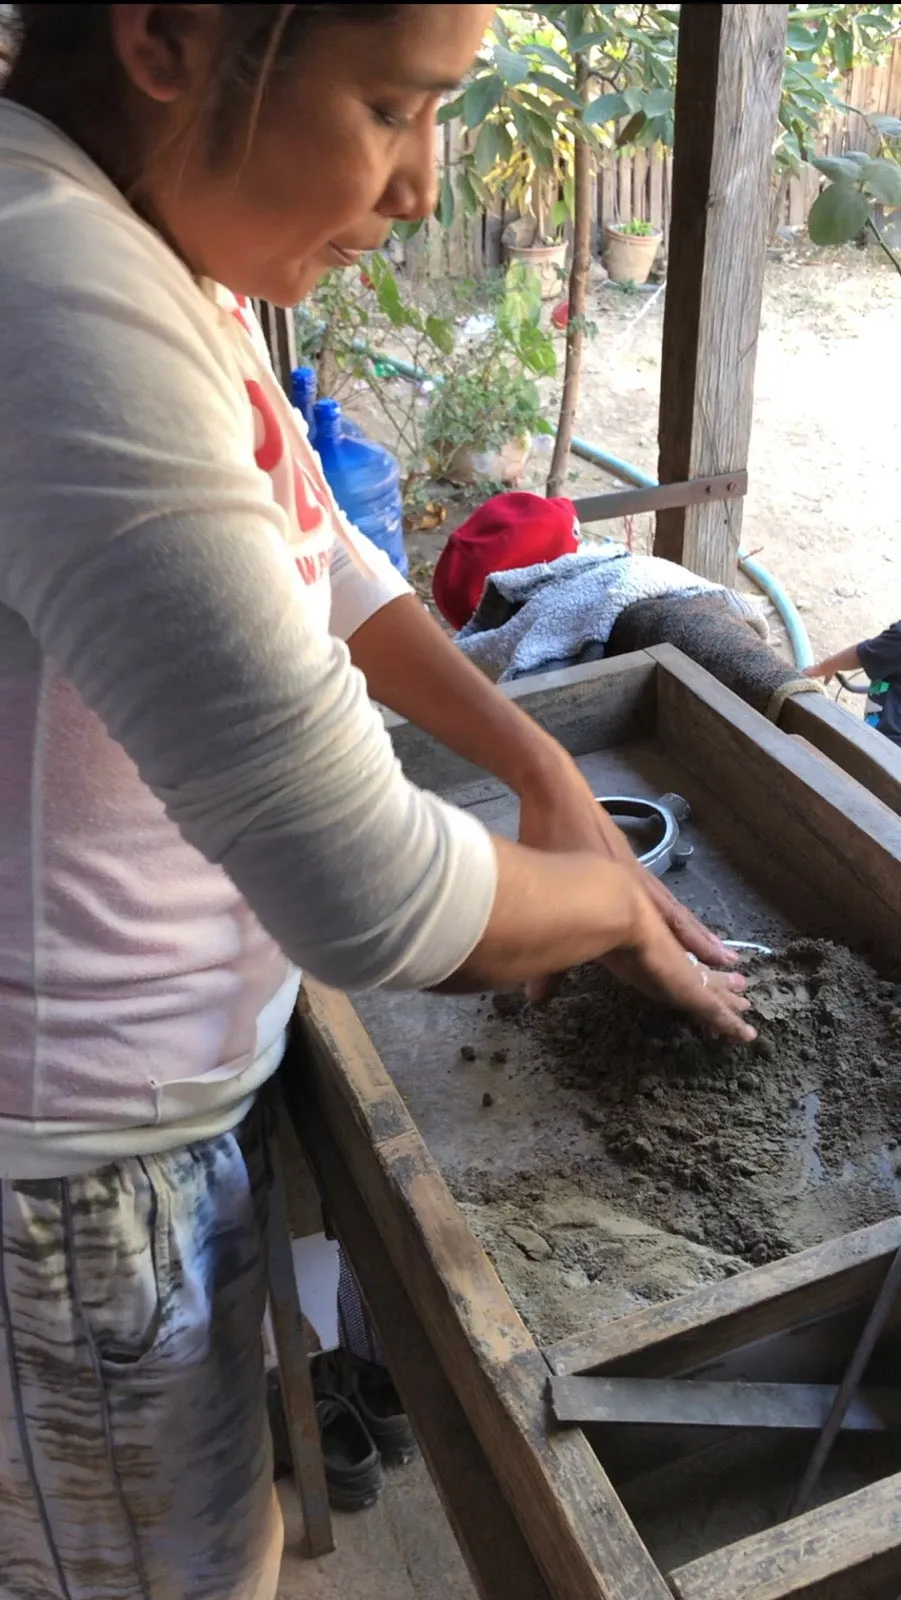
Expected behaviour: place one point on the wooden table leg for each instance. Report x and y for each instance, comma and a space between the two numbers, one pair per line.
294, 1369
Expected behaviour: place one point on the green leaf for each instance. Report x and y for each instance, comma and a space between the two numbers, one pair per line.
537, 351
387, 292
441, 334
450, 110
633, 127
499, 29
541, 425
584, 42
859, 157
800, 37
658, 103
607, 108
486, 148
481, 97
445, 208
545, 80
406, 230
843, 49
551, 58
889, 127
883, 180
512, 67
559, 213
837, 168
837, 215
467, 194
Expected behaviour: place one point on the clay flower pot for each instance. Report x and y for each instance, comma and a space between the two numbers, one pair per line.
542, 259
629, 257
469, 465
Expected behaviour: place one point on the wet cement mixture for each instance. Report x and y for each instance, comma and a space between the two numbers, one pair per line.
711, 1157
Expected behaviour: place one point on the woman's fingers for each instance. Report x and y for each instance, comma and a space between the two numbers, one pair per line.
685, 926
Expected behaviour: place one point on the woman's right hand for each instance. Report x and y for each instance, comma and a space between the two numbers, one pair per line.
659, 968
554, 910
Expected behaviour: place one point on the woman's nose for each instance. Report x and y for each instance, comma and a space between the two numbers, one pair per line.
412, 192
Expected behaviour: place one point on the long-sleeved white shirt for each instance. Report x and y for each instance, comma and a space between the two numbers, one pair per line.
197, 797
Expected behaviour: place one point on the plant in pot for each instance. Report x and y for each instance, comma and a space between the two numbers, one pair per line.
486, 407
630, 250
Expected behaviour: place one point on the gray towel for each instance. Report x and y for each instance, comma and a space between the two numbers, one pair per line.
566, 609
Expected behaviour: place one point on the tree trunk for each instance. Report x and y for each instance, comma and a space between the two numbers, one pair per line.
578, 286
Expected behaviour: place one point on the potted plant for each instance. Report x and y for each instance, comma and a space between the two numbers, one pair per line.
630, 250
487, 408
481, 422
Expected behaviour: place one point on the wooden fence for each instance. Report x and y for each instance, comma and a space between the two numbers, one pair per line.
639, 185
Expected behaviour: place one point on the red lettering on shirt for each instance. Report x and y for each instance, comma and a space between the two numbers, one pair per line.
310, 501
270, 447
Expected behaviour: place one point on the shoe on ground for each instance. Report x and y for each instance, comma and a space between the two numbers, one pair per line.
353, 1470
372, 1393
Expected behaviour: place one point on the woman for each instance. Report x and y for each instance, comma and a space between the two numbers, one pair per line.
197, 797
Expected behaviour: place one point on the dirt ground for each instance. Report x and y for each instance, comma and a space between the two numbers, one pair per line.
825, 472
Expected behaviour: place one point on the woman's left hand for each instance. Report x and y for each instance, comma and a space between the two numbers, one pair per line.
562, 814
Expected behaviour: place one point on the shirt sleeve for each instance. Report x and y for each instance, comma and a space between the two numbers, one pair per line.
881, 657
358, 594
142, 546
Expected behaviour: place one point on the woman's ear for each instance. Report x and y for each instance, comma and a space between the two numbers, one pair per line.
166, 51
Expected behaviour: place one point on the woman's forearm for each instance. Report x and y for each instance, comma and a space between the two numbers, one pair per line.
550, 912
411, 667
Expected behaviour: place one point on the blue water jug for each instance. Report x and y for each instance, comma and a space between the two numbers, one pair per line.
365, 480
304, 384
304, 389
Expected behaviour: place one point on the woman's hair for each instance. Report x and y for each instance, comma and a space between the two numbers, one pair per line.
64, 66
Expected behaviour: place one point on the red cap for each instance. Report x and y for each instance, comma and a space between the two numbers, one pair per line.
507, 532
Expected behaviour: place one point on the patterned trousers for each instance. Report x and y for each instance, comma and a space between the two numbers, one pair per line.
135, 1459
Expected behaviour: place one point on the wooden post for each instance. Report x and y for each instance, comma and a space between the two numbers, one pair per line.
727, 97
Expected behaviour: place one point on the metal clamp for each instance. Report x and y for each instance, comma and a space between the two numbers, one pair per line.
670, 850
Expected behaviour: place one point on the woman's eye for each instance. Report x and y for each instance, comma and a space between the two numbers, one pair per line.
389, 119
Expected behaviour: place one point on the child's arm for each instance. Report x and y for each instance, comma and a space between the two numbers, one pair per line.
844, 661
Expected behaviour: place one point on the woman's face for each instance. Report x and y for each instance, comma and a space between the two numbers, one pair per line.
344, 143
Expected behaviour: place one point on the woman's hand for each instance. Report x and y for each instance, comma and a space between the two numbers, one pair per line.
668, 975
562, 814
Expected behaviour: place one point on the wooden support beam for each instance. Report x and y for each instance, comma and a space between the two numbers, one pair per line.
850, 1550
727, 97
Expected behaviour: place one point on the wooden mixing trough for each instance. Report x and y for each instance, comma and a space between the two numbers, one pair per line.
595, 1512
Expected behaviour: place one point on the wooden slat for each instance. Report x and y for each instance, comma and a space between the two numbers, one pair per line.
859, 750
575, 1525
499, 1560
656, 189
847, 842
714, 1403
586, 708
850, 1550
294, 1368
629, 502
640, 185
727, 95
687, 1334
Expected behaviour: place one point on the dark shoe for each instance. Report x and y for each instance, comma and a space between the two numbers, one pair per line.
353, 1471
372, 1392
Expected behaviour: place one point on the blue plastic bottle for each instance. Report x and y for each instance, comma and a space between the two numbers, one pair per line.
304, 389
304, 384
365, 480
